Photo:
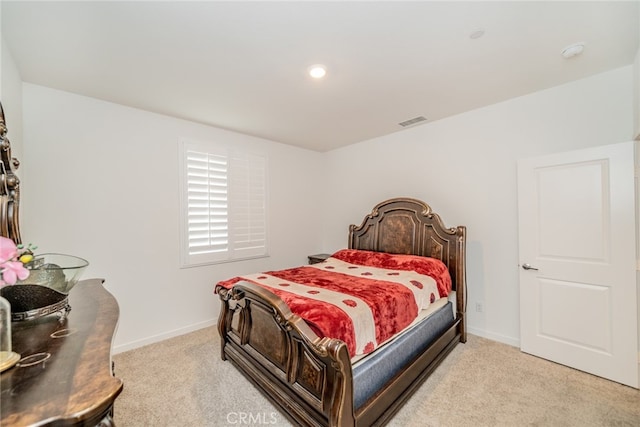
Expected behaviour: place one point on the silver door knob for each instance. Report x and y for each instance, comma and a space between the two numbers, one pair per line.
528, 267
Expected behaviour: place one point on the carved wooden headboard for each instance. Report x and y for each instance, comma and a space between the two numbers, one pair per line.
408, 226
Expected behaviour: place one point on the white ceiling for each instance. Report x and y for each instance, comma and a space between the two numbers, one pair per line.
242, 65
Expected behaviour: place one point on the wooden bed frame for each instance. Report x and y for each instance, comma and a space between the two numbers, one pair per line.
310, 378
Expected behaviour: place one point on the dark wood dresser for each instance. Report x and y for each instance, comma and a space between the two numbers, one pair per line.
68, 378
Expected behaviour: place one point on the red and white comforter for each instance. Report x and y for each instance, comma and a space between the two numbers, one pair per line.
360, 297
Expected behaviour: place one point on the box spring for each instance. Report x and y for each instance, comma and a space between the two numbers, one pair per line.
371, 374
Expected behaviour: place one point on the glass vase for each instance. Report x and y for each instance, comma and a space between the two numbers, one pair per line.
7, 357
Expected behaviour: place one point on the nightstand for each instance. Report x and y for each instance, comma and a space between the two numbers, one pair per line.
314, 259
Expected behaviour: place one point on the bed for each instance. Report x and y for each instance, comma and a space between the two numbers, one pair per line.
319, 380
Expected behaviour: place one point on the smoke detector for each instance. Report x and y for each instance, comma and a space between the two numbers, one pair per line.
477, 33
572, 50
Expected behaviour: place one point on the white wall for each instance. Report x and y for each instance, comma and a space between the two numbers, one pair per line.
636, 90
102, 183
119, 169
11, 97
465, 168
636, 130
636, 96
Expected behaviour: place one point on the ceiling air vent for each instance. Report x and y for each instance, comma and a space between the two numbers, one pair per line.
413, 121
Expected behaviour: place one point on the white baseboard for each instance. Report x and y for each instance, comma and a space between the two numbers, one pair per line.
161, 337
515, 342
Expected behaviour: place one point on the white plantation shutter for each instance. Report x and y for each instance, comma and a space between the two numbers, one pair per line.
224, 204
247, 208
207, 207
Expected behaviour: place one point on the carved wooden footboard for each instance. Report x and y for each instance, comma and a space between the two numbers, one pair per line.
276, 350
310, 378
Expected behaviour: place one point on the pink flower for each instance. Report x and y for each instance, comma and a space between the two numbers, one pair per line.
8, 249
12, 271
10, 268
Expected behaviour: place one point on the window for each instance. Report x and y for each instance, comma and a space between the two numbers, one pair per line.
223, 204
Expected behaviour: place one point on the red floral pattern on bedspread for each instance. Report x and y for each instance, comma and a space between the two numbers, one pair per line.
393, 306
422, 265
323, 297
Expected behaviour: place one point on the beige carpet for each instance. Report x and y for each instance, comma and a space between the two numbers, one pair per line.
183, 382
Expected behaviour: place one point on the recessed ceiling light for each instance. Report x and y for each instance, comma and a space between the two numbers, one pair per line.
572, 50
317, 71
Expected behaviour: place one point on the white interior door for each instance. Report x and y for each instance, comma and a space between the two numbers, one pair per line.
578, 303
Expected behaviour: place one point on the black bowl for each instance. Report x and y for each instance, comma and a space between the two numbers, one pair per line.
33, 301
